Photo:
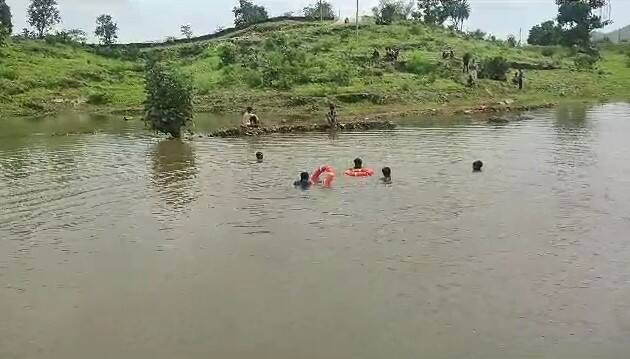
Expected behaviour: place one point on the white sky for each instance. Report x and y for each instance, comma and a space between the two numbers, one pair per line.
146, 20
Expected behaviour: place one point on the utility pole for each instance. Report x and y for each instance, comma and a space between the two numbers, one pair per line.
357, 19
321, 12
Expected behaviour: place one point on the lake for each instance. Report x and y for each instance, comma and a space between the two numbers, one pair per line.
117, 243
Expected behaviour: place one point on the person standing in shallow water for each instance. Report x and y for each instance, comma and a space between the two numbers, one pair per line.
477, 166
331, 117
250, 119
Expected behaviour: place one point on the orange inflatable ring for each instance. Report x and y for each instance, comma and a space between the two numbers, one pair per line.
360, 172
327, 172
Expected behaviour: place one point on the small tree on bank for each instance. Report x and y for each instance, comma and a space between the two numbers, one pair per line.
248, 13
106, 29
6, 26
43, 15
186, 31
168, 105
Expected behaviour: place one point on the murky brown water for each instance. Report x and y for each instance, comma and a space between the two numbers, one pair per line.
119, 245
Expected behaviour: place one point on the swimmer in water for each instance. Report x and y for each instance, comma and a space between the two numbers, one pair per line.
477, 166
387, 175
358, 164
304, 181
259, 157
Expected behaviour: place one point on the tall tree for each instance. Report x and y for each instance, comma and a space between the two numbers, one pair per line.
187, 31
5, 17
6, 26
545, 34
461, 13
456, 10
106, 29
430, 12
319, 10
577, 18
248, 13
389, 11
43, 15
436, 12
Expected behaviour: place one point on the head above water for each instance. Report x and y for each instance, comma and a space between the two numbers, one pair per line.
358, 163
387, 172
304, 176
477, 166
259, 156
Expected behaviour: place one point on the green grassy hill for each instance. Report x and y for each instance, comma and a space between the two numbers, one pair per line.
296, 68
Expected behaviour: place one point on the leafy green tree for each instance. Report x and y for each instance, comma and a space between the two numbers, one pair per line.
248, 13
545, 34
389, 11
6, 26
430, 12
106, 29
436, 12
578, 20
461, 13
457, 11
320, 9
169, 99
43, 15
187, 31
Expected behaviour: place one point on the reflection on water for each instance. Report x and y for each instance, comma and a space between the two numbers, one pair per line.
174, 172
120, 244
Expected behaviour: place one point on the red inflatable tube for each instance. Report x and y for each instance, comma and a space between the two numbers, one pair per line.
361, 172
328, 174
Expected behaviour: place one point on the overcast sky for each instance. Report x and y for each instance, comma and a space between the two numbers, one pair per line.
147, 20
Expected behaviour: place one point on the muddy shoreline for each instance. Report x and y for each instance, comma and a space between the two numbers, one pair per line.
504, 113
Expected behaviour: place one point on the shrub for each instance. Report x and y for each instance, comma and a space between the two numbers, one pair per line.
494, 69
477, 35
585, 61
548, 51
227, 53
628, 58
419, 65
191, 51
98, 98
169, 99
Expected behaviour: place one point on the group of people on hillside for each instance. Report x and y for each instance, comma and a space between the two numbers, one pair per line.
391, 54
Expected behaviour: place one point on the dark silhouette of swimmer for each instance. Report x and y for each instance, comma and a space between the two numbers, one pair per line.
259, 157
477, 166
358, 164
304, 181
387, 175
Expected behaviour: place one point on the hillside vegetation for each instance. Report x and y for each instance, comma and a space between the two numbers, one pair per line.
297, 68
622, 35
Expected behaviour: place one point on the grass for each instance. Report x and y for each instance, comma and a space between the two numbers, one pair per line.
297, 68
